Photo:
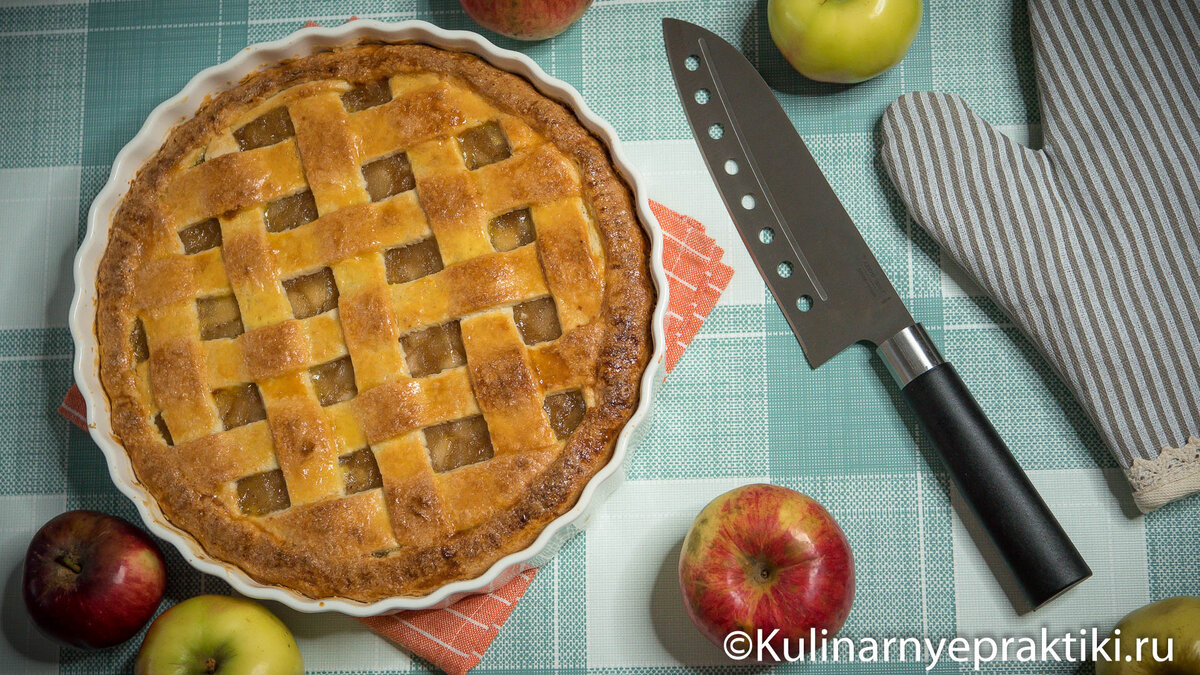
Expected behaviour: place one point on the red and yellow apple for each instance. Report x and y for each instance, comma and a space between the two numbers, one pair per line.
218, 634
764, 556
92, 580
843, 40
526, 19
1174, 619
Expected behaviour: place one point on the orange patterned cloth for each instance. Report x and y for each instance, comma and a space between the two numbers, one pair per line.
695, 274
455, 638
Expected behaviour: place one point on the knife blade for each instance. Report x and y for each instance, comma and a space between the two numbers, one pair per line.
833, 293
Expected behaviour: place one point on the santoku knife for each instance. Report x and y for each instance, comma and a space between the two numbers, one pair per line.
833, 293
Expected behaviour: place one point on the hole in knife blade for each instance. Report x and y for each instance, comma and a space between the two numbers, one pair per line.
716, 131
731, 167
748, 202
784, 270
766, 235
701, 96
804, 303
692, 62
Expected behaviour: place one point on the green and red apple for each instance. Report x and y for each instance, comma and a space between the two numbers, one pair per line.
843, 41
218, 634
1174, 619
92, 580
764, 556
526, 19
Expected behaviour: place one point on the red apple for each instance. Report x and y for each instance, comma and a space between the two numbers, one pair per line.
526, 19
766, 557
92, 580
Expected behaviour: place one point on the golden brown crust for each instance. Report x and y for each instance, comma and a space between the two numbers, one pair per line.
322, 545
275, 350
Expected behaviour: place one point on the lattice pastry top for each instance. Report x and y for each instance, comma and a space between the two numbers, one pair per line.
371, 319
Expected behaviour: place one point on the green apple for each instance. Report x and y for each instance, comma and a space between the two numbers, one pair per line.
843, 40
218, 634
1174, 619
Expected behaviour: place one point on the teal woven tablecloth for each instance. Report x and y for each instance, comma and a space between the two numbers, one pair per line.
77, 79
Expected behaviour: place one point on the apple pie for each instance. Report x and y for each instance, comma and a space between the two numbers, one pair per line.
372, 318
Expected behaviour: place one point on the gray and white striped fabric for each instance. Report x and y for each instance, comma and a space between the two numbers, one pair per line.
1091, 244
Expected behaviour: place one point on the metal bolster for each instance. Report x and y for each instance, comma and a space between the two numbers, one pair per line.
909, 353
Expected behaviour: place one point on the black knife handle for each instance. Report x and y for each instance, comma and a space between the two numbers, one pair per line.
1041, 557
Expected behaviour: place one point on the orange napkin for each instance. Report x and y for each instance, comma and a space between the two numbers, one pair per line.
454, 639
695, 274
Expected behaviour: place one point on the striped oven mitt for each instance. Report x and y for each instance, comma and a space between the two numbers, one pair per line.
1091, 244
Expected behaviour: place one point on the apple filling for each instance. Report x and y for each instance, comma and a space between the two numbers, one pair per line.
219, 317
565, 411
483, 145
312, 294
239, 405
458, 443
262, 493
511, 230
414, 261
163, 431
537, 320
359, 471
367, 95
201, 236
388, 176
290, 212
265, 130
432, 350
334, 381
137, 340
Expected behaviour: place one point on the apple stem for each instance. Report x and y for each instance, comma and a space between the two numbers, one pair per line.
68, 561
210, 665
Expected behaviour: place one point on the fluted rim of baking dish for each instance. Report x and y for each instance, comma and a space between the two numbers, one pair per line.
148, 140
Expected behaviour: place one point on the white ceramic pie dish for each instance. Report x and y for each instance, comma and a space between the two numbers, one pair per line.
147, 141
